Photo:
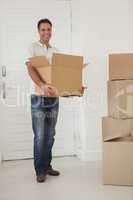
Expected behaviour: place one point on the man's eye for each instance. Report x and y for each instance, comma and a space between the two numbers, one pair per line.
46, 30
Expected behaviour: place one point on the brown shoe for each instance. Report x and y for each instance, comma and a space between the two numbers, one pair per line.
41, 178
52, 172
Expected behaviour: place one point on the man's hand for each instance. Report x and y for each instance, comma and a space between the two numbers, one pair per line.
48, 90
82, 89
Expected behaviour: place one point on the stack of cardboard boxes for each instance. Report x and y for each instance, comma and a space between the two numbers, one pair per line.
117, 128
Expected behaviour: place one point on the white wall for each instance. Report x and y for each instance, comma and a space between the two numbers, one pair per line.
106, 27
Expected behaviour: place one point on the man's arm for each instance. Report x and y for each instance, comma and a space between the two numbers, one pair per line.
31, 70
34, 75
46, 88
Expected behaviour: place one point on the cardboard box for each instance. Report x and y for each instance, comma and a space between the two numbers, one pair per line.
116, 128
120, 99
118, 162
65, 73
120, 66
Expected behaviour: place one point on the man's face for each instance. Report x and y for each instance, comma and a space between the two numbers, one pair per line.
45, 32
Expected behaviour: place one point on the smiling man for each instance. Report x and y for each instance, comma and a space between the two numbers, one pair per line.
44, 105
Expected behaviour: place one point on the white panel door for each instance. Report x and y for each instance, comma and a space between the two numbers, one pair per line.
18, 30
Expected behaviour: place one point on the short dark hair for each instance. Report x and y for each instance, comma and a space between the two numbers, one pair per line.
43, 21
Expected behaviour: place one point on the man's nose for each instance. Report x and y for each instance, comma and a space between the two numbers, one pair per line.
46, 33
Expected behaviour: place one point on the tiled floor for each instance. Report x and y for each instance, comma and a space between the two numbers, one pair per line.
78, 181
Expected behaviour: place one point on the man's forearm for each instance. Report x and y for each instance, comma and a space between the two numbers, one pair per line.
35, 76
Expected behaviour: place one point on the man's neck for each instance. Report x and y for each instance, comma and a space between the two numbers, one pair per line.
45, 43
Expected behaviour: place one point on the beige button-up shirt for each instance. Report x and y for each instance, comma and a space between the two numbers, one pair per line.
39, 49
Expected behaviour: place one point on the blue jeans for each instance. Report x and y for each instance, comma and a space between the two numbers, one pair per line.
44, 112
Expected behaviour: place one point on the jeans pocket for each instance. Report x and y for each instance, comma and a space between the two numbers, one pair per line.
49, 102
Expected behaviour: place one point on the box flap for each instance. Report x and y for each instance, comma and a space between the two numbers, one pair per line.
39, 61
65, 60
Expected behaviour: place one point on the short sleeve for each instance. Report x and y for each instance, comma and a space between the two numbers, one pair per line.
30, 52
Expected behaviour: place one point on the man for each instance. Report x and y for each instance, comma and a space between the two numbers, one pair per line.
44, 105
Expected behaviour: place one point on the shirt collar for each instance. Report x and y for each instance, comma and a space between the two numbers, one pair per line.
43, 45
